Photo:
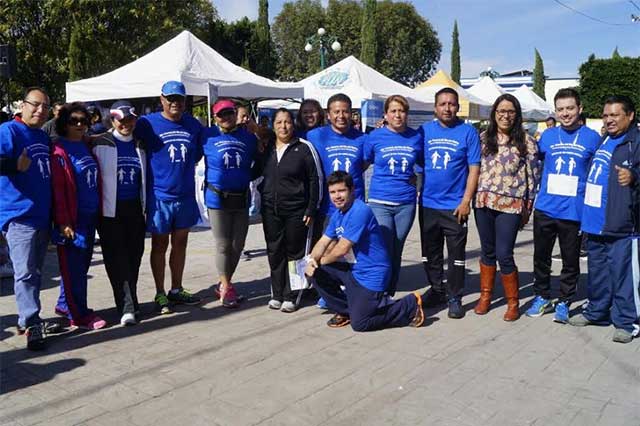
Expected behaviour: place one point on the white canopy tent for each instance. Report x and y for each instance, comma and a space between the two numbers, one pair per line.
358, 81
184, 58
534, 108
486, 89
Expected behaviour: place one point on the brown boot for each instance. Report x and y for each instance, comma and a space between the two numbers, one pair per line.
487, 280
511, 286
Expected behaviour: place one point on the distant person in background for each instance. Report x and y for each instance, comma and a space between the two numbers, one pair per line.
97, 127
50, 126
243, 115
356, 120
550, 122
310, 116
244, 119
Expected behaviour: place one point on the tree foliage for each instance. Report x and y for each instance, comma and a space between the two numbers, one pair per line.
601, 78
261, 59
368, 33
615, 54
343, 20
455, 53
538, 75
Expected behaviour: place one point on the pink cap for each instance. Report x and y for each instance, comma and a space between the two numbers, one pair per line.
222, 105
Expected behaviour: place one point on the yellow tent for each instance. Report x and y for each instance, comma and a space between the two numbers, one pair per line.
470, 106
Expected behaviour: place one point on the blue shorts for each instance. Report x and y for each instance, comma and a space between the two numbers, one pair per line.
167, 216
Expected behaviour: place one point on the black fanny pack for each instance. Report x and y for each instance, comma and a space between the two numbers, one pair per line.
231, 200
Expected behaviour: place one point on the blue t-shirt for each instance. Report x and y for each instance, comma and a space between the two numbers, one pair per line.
85, 171
339, 152
173, 149
372, 268
25, 196
228, 160
129, 171
566, 155
393, 156
595, 197
448, 153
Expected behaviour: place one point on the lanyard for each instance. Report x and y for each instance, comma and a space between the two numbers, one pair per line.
575, 139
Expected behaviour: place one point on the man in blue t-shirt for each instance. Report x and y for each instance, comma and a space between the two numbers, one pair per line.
566, 151
173, 140
611, 217
352, 268
451, 170
25, 206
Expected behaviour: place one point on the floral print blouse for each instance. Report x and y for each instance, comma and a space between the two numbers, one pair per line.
503, 184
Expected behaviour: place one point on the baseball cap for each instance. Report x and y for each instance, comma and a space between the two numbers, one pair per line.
222, 105
122, 109
173, 88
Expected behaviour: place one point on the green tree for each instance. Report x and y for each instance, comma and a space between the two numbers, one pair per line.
600, 78
261, 58
343, 20
368, 33
455, 54
408, 46
538, 75
615, 54
232, 40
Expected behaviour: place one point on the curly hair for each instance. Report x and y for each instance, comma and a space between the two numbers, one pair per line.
65, 113
517, 135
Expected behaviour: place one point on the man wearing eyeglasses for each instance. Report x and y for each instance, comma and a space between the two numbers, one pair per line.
25, 205
173, 140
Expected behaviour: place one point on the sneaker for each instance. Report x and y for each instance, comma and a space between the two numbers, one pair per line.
6, 270
275, 304
35, 338
579, 321
48, 327
622, 336
322, 304
539, 307
418, 317
433, 298
562, 313
162, 303
338, 321
128, 319
93, 323
288, 307
455, 308
182, 297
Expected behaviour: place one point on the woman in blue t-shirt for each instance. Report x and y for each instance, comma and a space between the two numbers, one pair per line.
121, 226
393, 150
229, 152
76, 205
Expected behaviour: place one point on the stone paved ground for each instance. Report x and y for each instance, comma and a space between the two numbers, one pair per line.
211, 366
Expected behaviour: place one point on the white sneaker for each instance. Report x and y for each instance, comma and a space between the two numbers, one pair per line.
275, 304
6, 270
128, 319
288, 307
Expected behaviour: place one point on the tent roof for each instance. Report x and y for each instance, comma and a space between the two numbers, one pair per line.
358, 81
486, 89
184, 58
534, 108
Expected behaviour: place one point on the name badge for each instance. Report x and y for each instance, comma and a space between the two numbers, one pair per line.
593, 195
562, 185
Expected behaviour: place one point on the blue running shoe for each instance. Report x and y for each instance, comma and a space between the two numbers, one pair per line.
562, 313
322, 304
539, 307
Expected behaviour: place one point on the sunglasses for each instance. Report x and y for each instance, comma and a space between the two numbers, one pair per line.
226, 113
174, 98
77, 121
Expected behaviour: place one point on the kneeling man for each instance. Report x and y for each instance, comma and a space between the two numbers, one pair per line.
352, 268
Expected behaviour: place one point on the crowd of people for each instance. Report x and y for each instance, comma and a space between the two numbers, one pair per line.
68, 178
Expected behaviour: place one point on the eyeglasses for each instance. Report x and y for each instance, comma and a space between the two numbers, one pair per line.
503, 112
37, 105
77, 121
174, 98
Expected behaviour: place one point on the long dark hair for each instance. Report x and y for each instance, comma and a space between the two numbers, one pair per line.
517, 136
64, 115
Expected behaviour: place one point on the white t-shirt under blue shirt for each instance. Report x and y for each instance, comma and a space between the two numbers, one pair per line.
372, 268
393, 156
597, 189
566, 155
448, 153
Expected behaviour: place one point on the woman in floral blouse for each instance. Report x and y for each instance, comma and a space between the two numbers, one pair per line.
509, 172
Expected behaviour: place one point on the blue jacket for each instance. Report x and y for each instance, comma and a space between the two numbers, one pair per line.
622, 217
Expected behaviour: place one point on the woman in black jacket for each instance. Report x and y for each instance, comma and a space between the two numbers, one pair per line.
290, 197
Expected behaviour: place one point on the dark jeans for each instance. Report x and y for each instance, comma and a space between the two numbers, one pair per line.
369, 310
498, 232
545, 231
122, 241
286, 236
439, 226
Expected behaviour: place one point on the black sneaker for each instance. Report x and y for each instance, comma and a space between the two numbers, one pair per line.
183, 297
35, 337
455, 308
49, 328
433, 299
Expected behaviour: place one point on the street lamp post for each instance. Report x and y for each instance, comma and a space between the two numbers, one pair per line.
323, 40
